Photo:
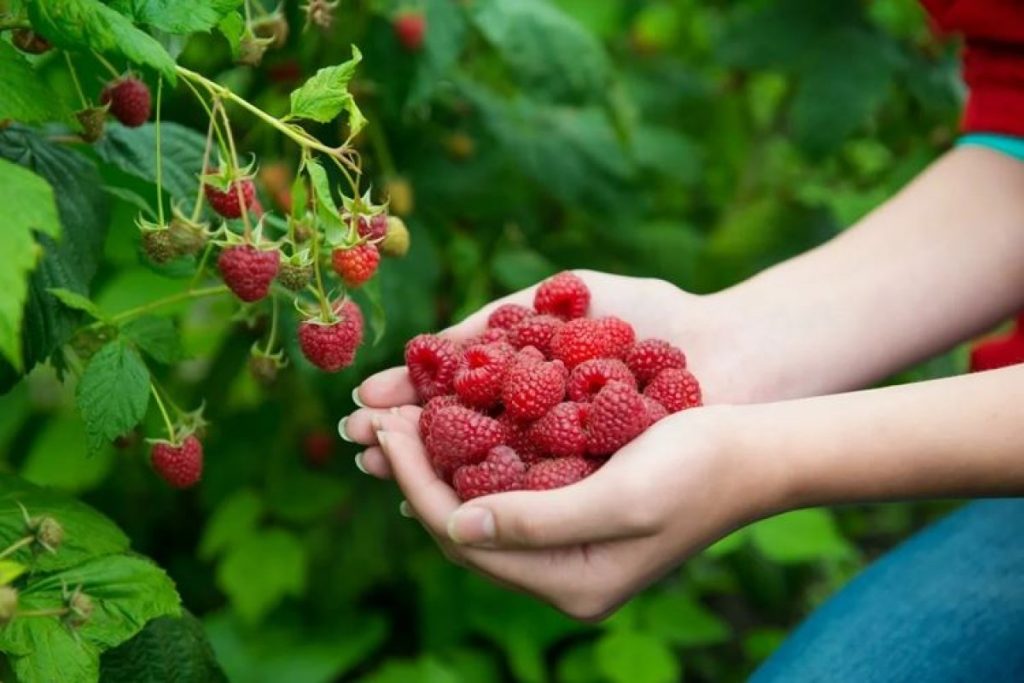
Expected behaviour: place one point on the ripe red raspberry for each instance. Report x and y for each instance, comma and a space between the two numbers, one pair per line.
481, 374
332, 346
180, 466
128, 99
590, 376
651, 356
431, 409
356, 265
655, 411
529, 355
493, 335
564, 296
620, 334
501, 470
532, 389
410, 29
225, 202
617, 415
536, 331
373, 228
675, 389
556, 473
578, 341
508, 316
560, 432
248, 271
461, 436
317, 447
432, 362
518, 438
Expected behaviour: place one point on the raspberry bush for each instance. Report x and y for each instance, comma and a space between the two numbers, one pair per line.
219, 215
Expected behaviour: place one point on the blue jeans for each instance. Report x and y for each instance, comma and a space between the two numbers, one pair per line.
947, 605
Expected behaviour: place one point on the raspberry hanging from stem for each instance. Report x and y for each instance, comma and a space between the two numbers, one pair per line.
171, 434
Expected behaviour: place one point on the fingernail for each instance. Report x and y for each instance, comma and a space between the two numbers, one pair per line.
405, 509
359, 463
355, 398
341, 430
471, 525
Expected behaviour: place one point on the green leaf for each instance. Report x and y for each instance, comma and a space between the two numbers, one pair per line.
10, 571
83, 25
442, 46
29, 206
133, 150
546, 51
630, 657
232, 26
167, 650
423, 670
232, 520
77, 302
113, 394
155, 336
178, 17
800, 536
515, 269
679, 619
87, 533
261, 570
378, 314
325, 95
58, 457
126, 593
24, 96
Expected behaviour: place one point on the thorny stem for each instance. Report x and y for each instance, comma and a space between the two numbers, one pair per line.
16, 546
163, 411
159, 156
74, 79
132, 313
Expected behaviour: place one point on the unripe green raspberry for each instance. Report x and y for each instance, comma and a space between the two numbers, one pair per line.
396, 243
8, 604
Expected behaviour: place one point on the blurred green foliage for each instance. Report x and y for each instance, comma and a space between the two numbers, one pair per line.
693, 141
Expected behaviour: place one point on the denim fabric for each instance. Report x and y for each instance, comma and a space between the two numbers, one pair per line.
946, 606
1007, 144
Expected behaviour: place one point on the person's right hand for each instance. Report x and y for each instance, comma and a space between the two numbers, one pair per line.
654, 307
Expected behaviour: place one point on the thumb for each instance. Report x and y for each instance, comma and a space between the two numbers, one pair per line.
588, 511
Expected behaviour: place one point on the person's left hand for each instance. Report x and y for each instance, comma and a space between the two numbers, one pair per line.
588, 547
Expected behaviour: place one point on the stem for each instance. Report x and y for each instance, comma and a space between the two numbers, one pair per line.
197, 209
16, 546
52, 612
74, 79
351, 181
325, 309
233, 166
248, 14
12, 23
202, 265
132, 313
380, 146
110, 67
159, 155
213, 120
273, 326
163, 412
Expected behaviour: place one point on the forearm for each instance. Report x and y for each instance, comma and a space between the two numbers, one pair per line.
938, 263
949, 438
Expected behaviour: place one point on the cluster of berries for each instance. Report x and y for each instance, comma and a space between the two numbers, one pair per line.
544, 396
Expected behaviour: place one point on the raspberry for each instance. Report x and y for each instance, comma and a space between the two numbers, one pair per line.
410, 29
356, 265
536, 331
675, 389
532, 389
431, 409
432, 362
529, 355
617, 415
128, 99
501, 470
564, 296
577, 341
225, 202
317, 447
481, 373
332, 346
460, 436
295, 276
590, 376
493, 335
560, 432
93, 121
518, 437
158, 245
651, 356
248, 271
27, 40
508, 316
373, 228
396, 242
187, 237
180, 466
620, 334
556, 473
655, 411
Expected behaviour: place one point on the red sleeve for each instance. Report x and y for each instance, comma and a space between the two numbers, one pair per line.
993, 32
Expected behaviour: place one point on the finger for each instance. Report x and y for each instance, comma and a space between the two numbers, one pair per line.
387, 388
575, 514
372, 462
359, 426
431, 499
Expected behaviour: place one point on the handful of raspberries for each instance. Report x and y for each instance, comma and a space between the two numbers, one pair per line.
544, 396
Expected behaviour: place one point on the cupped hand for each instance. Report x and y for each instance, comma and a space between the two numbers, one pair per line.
588, 547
